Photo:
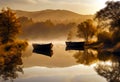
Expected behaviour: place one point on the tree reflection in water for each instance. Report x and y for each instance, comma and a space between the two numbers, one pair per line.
110, 71
107, 65
86, 57
10, 59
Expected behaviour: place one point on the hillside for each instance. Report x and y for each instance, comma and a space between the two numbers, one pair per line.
53, 15
53, 24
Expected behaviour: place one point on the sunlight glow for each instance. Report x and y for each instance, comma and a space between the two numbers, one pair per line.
93, 65
109, 63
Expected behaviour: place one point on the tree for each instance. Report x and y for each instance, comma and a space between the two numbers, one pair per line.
110, 14
109, 17
105, 37
9, 26
86, 29
10, 59
10, 47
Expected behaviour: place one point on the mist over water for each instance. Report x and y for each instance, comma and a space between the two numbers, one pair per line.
61, 67
60, 58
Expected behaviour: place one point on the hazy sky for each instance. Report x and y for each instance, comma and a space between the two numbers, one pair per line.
78, 6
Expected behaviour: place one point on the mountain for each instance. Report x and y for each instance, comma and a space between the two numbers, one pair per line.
48, 24
54, 15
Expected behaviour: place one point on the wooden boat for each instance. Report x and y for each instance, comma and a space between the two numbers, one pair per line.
45, 49
75, 45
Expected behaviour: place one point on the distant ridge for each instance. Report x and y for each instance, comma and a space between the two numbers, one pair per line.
53, 15
61, 22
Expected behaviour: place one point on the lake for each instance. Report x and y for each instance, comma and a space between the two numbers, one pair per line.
66, 66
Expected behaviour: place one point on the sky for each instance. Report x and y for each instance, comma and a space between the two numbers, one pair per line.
78, 6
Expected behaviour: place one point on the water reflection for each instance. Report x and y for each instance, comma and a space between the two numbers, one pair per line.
10, 60
107, 64
10, 67
11, 64
111, 70
60, 57
86, 57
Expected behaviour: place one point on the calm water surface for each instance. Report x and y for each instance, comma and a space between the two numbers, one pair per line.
67, 66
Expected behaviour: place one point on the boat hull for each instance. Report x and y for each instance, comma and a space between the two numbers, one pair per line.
75, 45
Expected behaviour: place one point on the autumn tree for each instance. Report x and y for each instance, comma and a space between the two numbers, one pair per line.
86, 29
110, 14
109, 17
10, 59
9, 26
11, 47
105, 38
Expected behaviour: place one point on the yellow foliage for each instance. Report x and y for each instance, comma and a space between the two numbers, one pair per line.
10, 48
